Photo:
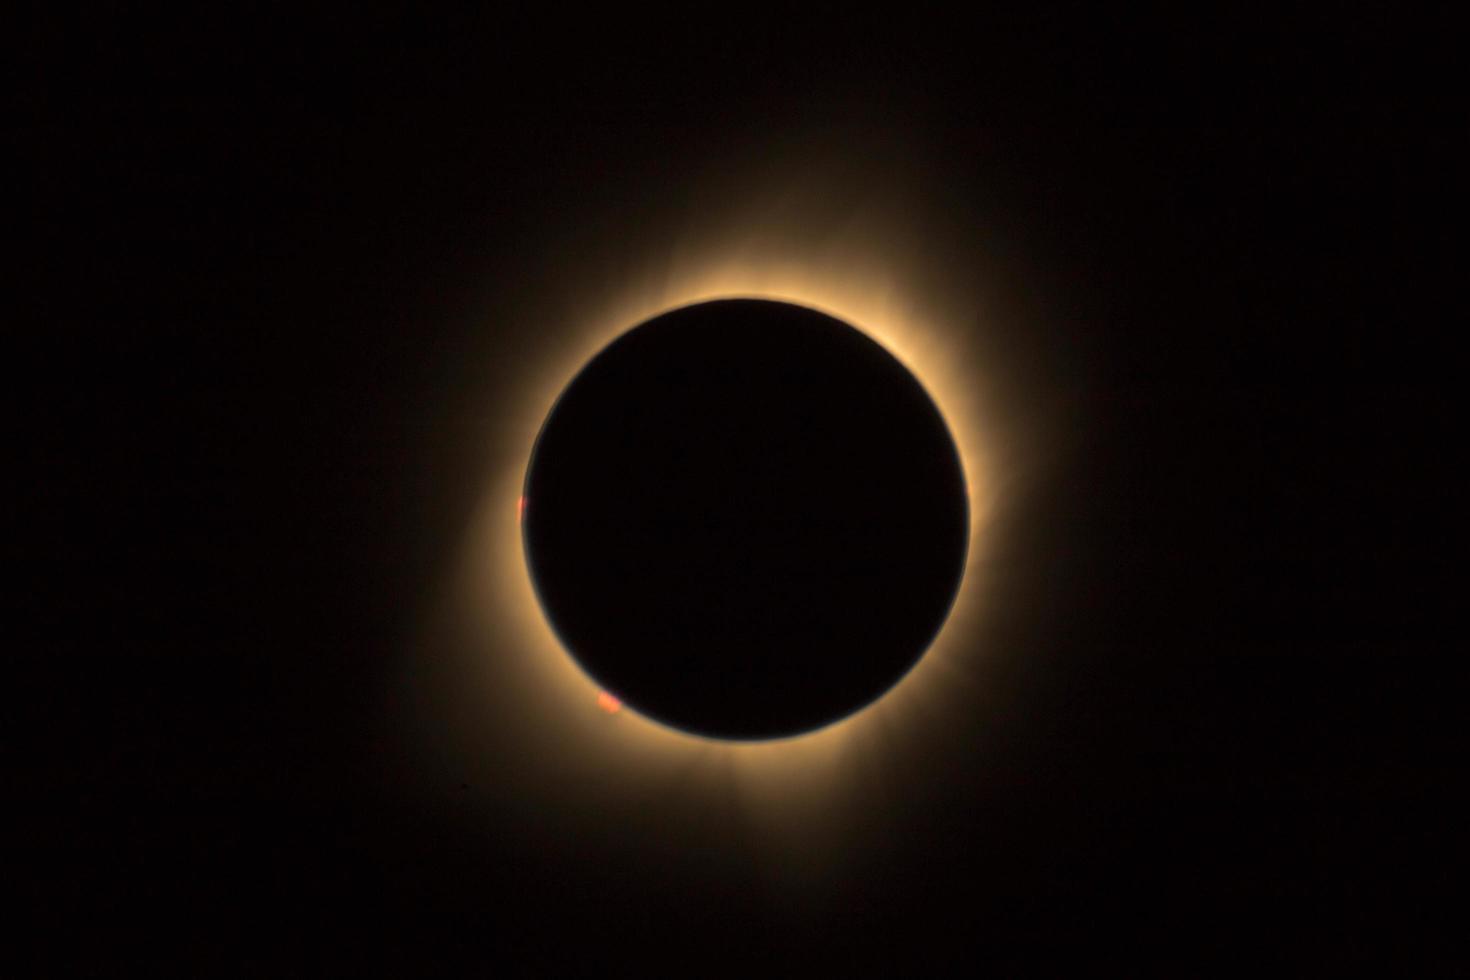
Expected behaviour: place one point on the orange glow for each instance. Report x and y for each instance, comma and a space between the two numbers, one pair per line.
858, 279
492, 672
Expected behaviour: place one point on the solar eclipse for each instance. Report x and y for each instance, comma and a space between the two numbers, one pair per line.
528, 497
746, 519
506, 694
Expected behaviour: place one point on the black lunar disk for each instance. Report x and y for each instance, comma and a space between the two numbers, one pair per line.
745, 519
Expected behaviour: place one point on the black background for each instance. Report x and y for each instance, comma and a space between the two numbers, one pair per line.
246, 244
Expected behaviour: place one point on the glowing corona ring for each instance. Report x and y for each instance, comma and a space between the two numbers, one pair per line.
523, 690
585, 689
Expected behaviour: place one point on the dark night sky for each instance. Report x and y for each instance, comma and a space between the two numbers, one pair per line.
252, 250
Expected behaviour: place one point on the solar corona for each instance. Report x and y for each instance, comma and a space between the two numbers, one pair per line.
734, 529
